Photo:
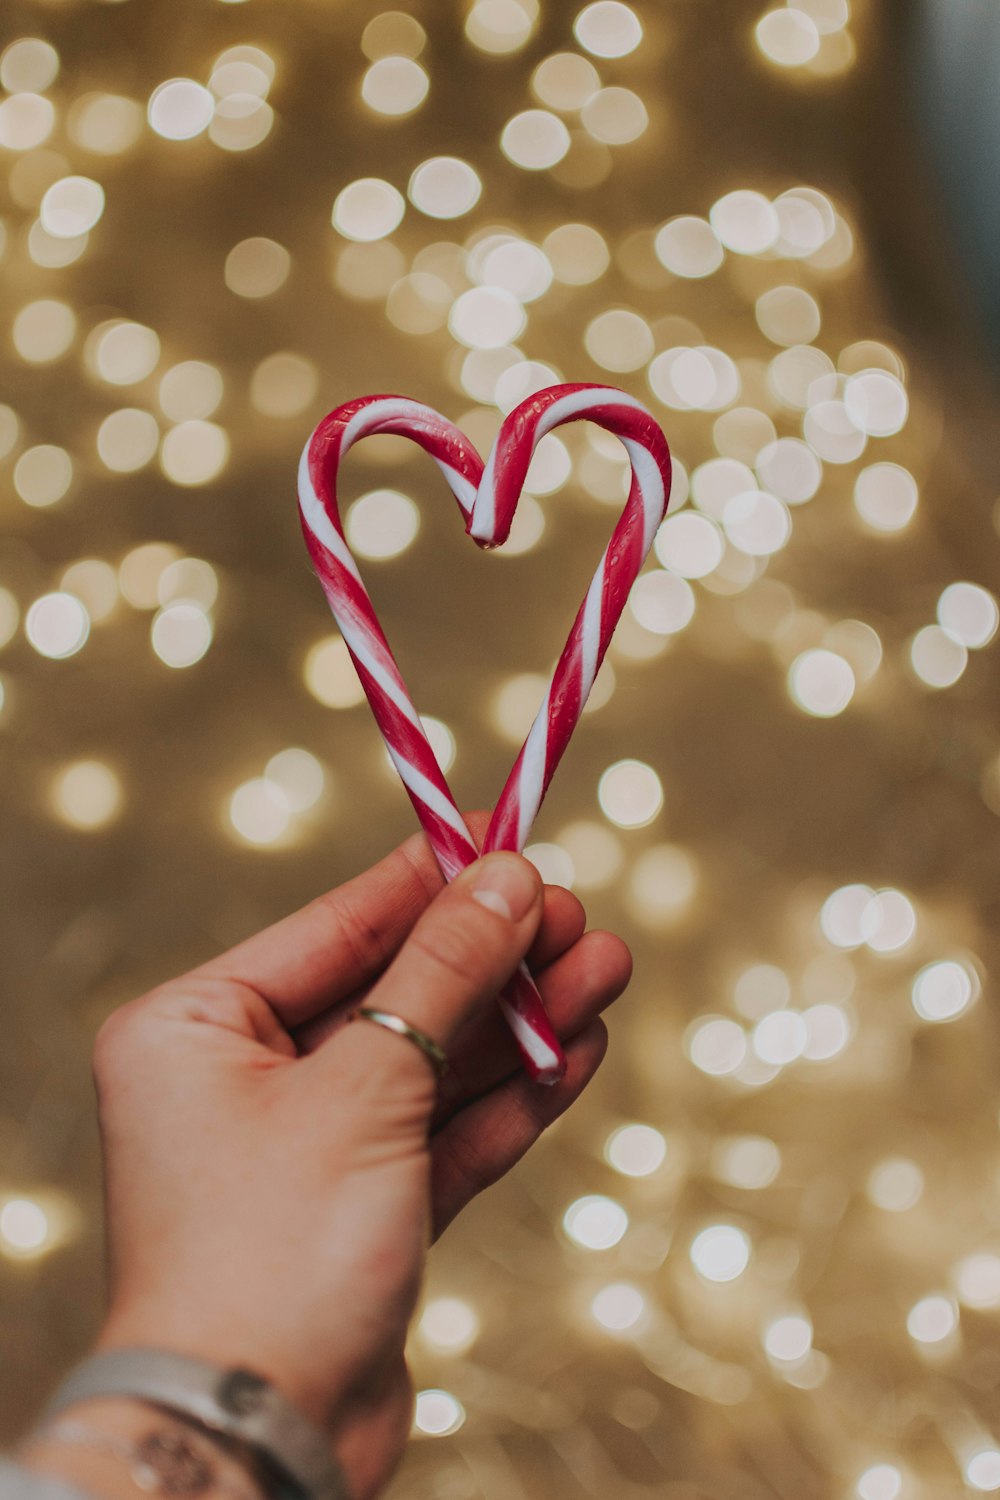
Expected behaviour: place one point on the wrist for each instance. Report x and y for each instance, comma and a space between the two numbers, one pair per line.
215, 1388
222, 1344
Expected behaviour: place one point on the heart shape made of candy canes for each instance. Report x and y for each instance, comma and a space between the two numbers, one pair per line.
487, 496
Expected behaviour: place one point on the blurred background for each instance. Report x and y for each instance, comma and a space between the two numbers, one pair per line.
762, 1257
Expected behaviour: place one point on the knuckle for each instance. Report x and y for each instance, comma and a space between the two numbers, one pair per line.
458, 946
231, 1004
424, 875
115, 1037
362, 940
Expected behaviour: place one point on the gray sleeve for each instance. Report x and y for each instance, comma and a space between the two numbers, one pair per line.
20, 1483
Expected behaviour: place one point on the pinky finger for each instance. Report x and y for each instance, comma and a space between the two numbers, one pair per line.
483, 1141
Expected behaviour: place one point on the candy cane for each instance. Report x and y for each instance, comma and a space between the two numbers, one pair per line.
487, 496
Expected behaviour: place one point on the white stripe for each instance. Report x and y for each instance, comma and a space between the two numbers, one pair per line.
647, 472
591, 634
428, 793
484, 510
360, 643
580, 402
538, 1050
319, 522
378, 412
463, 489
532, 774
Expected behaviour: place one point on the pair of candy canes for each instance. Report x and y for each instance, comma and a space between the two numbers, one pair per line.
487, 496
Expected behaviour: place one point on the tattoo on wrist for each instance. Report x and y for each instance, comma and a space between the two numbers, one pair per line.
165, 1458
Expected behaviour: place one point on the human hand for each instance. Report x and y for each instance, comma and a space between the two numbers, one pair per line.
273, 1177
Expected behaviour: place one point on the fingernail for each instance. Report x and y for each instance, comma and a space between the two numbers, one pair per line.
507, 886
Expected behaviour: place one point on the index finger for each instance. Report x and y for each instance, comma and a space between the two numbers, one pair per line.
342, 939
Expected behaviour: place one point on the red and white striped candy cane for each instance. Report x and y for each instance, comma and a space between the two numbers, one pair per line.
487, 496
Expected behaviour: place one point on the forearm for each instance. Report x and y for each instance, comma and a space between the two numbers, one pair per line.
204, 1466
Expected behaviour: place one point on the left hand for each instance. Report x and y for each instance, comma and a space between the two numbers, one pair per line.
273, 1180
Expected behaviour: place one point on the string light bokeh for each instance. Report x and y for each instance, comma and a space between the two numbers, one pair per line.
763, 1256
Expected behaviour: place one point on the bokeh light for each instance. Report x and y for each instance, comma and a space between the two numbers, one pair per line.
565, 81
745, 221
595, 850
43, 331
260, 811
788, 1338
28, 65
282, 385
689, 247
977, 1279
127, 439
635, 1150
787, 37
943, 990
534, 139
721, 1252
24, 1227
821, 683
895, 1184
449, 1325
57, 625
191, 389
937, 657
932, 1319
746, 1161
194, 452
105, 124
983, 1469
299, 775
140, 570
87, 794
122, 352
395, 86
969, 613
618, 1307
382, 524
330, 674
595, 1222
43, 475
257, 267
95, 584
716, 1045
608, 28
71, 206
368, 209
663, 882
630, 793
180, 109
880, 1482
689, 545
181, 633
437, 1413
444, 187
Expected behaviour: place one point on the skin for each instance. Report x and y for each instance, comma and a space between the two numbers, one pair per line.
274, 1177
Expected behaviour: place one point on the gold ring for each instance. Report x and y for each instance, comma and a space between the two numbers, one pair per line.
435, 1055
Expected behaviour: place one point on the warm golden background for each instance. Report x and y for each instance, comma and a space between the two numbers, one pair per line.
762, 1259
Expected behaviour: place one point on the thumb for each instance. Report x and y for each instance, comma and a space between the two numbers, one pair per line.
458, 956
